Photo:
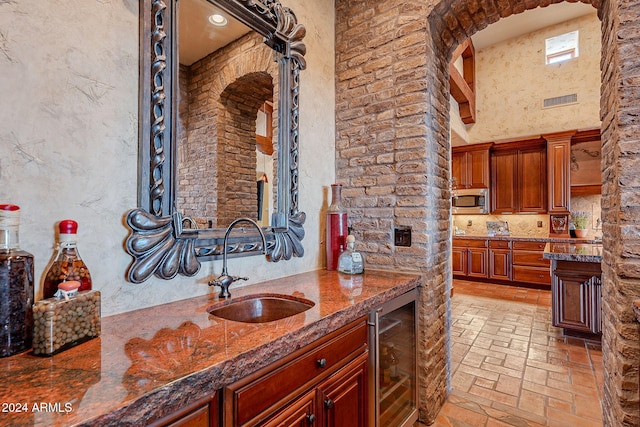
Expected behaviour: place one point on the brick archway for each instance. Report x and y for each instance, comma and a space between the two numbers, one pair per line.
392, 156
450, 23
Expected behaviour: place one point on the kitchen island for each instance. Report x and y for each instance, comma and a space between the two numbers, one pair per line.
152, 362
575, 287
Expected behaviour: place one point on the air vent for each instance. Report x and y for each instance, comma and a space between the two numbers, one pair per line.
561, 100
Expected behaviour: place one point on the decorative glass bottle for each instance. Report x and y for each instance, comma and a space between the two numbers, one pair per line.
16, 286
350, 261
68, 264
336, 227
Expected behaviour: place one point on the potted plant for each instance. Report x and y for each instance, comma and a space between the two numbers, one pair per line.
580, 221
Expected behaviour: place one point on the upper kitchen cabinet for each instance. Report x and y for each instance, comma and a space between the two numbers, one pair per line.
470, 166
585, 163
519, 177
559, 160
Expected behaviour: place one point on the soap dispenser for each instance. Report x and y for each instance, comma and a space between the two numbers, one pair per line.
350, 261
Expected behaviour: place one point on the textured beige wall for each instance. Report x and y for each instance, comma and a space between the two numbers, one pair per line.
68, 140
513, 80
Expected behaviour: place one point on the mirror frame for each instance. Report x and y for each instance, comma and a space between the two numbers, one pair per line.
158, 243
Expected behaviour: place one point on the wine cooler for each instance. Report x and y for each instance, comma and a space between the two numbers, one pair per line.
393, 377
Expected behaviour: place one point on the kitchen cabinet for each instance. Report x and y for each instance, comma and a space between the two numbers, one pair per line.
529, 265
576, 296
324, 383
519, 177
470, 166
558, 167
500, 259
469, 258
203, 413
519, 261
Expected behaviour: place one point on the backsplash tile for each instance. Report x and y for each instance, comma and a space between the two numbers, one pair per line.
527, 225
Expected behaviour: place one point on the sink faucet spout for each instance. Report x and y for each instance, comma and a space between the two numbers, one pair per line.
225, 280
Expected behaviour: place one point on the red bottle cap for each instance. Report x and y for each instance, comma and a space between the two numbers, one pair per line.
68, 226
7, 207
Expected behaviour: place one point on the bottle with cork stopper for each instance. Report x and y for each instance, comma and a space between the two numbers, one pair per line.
68, 265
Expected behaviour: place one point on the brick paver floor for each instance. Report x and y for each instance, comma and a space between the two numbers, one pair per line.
510, 367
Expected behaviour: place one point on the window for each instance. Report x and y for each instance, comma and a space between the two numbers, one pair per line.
561, 48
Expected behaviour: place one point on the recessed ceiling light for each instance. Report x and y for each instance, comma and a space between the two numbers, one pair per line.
217, 19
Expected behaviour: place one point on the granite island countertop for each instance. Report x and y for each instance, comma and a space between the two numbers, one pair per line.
578, 252
151, 362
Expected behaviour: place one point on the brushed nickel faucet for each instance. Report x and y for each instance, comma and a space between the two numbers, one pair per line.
225, 280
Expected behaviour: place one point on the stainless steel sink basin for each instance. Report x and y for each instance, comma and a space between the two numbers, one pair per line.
260, 308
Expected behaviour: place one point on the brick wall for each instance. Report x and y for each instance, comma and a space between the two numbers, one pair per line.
217, 155
392, 154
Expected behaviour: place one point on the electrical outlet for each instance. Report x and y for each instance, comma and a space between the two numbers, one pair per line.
469, 223
539, 224
402, 236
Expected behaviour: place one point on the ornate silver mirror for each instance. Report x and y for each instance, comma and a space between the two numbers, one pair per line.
206, 146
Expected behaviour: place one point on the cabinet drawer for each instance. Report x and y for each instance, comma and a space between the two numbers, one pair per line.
529, 246
499, 244
469, 243
534, 259
249, 397
538, 275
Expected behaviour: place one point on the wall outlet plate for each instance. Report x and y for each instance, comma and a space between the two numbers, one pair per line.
402, 236
539, 224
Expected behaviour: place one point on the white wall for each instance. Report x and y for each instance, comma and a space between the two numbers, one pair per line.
68, 140
512, 80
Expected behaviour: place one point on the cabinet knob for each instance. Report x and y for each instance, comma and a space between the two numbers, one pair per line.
311, 418
322, 363
328, 403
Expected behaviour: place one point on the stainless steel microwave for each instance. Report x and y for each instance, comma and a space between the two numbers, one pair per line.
471, 201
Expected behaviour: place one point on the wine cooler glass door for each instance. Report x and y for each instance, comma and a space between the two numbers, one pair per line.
394, 333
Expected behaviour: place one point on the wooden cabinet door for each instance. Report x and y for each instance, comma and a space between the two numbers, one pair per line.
301, 413
459, 169
576, 301
559, 160
500, 264
503, 182
198, 418
477, 262
459, 261
343, 396
532, 180
478, 168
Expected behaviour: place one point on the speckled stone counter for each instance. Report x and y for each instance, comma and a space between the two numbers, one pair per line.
524, 238
578, 252
150, 362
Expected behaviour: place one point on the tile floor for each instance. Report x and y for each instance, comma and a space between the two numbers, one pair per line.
510, 367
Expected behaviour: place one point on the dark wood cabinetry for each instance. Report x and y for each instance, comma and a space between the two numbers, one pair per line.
529, 265
470, 166
576, 299
558, 168
469, 258
519, 177
325, 383
203, 413
500, 259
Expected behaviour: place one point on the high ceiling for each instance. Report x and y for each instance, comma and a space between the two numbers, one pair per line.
529, 21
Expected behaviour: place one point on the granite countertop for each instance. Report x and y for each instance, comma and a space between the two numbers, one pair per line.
150, 362
579, 252
524, 238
